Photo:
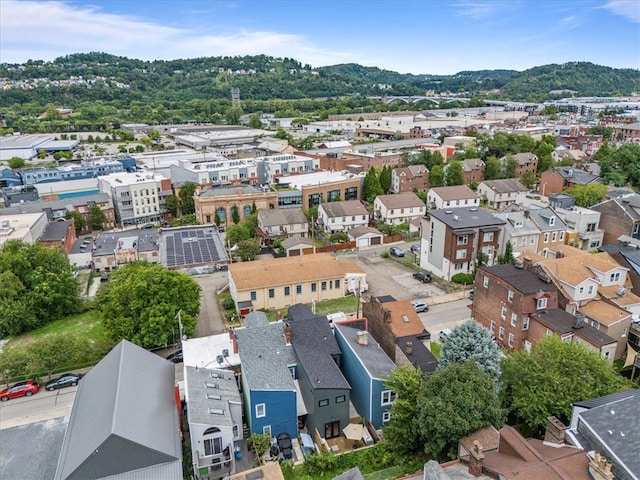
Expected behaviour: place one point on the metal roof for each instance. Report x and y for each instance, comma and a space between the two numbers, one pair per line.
209, 390
372, 357
124, 418
466, 217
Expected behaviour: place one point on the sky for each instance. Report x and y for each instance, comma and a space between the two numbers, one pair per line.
414, 36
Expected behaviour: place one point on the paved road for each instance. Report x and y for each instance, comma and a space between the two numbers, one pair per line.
41, 406
210, 321
445, 315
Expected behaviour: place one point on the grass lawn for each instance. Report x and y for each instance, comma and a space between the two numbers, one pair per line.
435, 349
346, 304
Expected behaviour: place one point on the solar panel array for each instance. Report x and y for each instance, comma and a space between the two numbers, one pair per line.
189, 247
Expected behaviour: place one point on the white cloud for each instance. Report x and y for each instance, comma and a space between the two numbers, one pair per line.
626, 8
569, 22
476, 10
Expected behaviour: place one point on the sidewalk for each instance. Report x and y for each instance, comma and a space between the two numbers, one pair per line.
449, 297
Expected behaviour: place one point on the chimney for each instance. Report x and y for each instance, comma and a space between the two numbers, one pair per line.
287, 334
409, 348
239, 191
362, 337
526, 213
554, 432
475, 459
526, 262
234, 339
599, 468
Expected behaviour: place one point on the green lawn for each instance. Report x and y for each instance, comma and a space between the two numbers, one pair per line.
345, 304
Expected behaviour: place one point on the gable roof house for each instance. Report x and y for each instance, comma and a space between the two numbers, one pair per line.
214, 413
283, 223
552, 231
526, 162
281, 282
618, 217
365, 365
452, 196
342, 216
501, 193
365, 236
520, 230
399, 331
473, 170
294, 246
272, 402
124, 422
557, 179
398, 209
60, 234
325, 390
407, 179
455, 236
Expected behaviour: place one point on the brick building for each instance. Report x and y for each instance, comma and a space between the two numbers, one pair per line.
628, 133
408, 179
222, 200
619, 216
557, 179
526, 162
59, 234
473, 170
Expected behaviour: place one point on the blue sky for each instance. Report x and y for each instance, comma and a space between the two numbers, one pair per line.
419, 36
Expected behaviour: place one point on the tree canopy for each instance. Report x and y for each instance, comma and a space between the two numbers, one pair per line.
371, 186
554, 375
454, 175
187, 203
140, 303
587, 195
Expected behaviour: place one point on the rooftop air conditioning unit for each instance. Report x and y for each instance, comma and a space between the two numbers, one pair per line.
220, 359
225, 352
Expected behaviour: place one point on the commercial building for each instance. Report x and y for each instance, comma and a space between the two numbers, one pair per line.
223, 200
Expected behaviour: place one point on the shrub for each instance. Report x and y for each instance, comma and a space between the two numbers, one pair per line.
228, 303
463, 278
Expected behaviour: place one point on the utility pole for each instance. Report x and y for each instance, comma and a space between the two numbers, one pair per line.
180, 326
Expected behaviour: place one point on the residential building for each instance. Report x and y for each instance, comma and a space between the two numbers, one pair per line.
365, 236
116, 249
552, 231
557, 179
455, 236
520, 230
272, 402
214, 413
499, 194
584, 227
452, 197
271, 168
308, 190
342, 216
526, 162
215, 172
608, 425
282, 224
365, 366
408, 179
218, 352
628, 132
473, 170
398, 209
60, 234
563, 153
18, 194
137, 430
221, 201
618, 217
138, 198
369, 159
325, 391
400, 332
281, 282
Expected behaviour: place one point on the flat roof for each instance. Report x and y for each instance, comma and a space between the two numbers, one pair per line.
188, 246
203, 351
316, 178
108, 242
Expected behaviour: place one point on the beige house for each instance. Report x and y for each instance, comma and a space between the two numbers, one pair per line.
281, 282
284, 223
398, 209
500, 193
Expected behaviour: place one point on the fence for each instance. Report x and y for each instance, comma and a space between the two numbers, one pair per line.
337, 246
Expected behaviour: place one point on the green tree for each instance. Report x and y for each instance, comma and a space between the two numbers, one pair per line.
587, 195
248, 249
16, 162
436, 176
507, 257
78, 220
493, 168
97, 218
254, 120
171, 203
554, 375
187, 202
543, 150
371, 186
237, 233
338, 237
472, 342
235, 214
15, 361
385, 179
606, 132
232, 115
401, 432
454, 402
529, 180
216, 218
510, 167
454, 175
141, 301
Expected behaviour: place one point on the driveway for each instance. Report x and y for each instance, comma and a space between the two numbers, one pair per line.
210, 321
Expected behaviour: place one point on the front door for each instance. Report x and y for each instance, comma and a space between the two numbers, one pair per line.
332, 430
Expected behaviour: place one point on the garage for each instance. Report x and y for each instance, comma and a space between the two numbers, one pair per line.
365, 236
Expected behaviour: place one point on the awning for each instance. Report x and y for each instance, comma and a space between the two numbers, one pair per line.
301, 408
495, 228
464, 231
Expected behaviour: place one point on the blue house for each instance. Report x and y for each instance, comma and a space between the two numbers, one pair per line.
267, 362
365, 365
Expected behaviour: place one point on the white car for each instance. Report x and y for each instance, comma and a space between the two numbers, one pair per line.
420, 306
444, 334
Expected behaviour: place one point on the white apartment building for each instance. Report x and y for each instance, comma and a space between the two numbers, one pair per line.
270, 168
342, 216
215, 172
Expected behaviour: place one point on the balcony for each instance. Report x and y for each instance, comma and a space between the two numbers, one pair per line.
214, 466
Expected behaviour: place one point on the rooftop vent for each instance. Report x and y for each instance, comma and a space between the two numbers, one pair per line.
579, 322
622, 291
220, 358
544, 278
213, 397
216, 411
405, 319
211, 385
448, 212
225, 352
473, 209
456, 217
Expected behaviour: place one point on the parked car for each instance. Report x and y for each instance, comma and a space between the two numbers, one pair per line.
396, 252
444, 334
175, 357
21, 389
424, 277
471, 295
104, 277
415, 248
66, 380
420, 306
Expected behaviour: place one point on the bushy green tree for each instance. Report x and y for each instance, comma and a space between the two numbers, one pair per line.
507, 257
493, 168
248, 249
171, 203
78, 220
187, 202
97, 218
454, 175
237, 233
385, 179
141, 301
16, 162
587, 195
371, 186
436, 176
235, 214
528, 179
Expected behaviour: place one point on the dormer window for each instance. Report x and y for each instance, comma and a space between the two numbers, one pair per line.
552, 221
542, 303
614, 277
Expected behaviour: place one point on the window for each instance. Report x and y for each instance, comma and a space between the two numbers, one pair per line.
287, 291
514, 319
552, 221
493, 327
463, 239
503, 313
323, 285
532, 239
461, 254
581, 289
511, 339
324, 402
487, 237
485, 282
562, 236
624, 332
388, 397
591, 227
525, 323
614, 277
546, 237
501, 333
314, 287
336, 284
549, 332
458, 266
272, 293
212, 446
261, 410
386, 416
341, 399
266, 430
254, 295
554, 236
523, 241
542, 303
298, 289
510, 296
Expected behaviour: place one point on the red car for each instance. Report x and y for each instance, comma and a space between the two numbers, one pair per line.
22, 389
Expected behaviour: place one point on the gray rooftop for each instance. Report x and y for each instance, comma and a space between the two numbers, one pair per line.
64, 204
505, 185
607, 399
315, 345
210, 389
563, 323
345, 208
285, 216
374, 359
420, 356
522, 280
296, 240
356, 232
145, 240
232, 190
124, 418
466, 217
518, 223
542, 218
56, 231
576, 175
264, 356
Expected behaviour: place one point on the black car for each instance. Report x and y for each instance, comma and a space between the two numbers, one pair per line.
66, 380
175, 357
424, 277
